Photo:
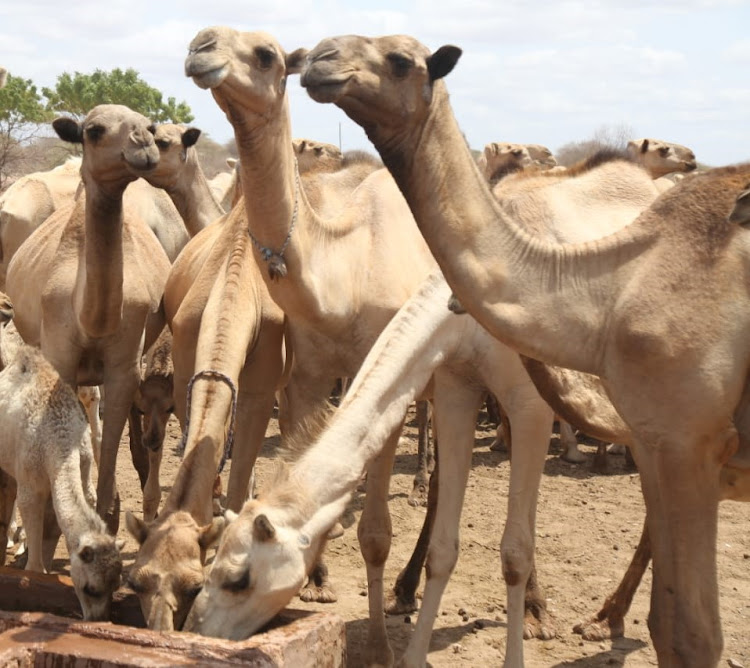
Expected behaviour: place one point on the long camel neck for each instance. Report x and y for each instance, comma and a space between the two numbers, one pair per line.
101, 300
279, 216
547, 301
193, 197
222, 345
395, 371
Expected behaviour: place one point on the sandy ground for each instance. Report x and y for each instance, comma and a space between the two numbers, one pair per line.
587, 528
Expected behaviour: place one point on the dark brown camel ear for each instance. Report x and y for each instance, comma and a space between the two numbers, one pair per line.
68, 129
137, 528
644, 146
295, 60
190, 136
263, 529
443, 61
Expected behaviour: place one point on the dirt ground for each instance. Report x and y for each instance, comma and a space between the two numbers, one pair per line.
587, 528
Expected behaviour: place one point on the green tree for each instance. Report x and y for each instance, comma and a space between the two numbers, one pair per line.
21, 117
76, 94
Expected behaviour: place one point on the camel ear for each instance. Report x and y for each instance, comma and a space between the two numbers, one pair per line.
68, 129
137, 528
295, 60
644, 146
263, 529
740, 214
229, 516
190, 136
231, 162
210, 533
443, 61
120, 545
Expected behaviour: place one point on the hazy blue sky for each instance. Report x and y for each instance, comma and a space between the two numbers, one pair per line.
543, 72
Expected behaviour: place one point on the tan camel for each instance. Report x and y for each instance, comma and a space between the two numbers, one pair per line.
277, 537
502, 158
541, 156
316, 155
653, 310
87, 284
665, 161
47, 451
152, 407
227, 345
334, 309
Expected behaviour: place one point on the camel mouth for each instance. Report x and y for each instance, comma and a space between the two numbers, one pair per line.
322, 88
208, 78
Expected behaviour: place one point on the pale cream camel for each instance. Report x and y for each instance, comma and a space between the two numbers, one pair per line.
29, 201
339, 261
276, 539
499, 159
87, 284
654, 310
46, 450
224, 185
316, 155
667, 162
227, 344
152, 407
541, 156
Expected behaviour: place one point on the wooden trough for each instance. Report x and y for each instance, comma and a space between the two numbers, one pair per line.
37, 628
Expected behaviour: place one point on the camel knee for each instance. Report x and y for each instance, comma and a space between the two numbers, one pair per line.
441, 559
374, 545
516, 557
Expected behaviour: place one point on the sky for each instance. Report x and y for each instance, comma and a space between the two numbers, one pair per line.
531, 71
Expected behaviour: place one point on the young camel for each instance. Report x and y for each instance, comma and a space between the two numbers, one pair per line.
152, 407
265, 554
654, 310
46, 453
88, 283
665, 161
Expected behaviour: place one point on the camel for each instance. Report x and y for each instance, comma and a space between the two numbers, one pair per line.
740, 213
502, 158
541, 156
316, 155
334, 310
653, 309
87, 284
152, 407
277, 537
47, 453
665, 161
228, 360
224, 185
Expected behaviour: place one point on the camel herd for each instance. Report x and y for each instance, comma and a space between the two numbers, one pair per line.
609, 292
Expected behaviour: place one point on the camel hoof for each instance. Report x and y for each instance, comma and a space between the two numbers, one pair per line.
600, 629
399, 606
418, 496
312, 594
541, 627
573, 456
498, 445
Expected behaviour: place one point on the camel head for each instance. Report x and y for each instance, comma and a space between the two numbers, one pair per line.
541, 156
95, 568
174, 143
501, 158
317, 156
118, 144
384, 84
261, 563
155, 403
246, 71
662, 157
167, 573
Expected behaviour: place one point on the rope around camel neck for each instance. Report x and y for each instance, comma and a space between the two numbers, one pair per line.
209, 374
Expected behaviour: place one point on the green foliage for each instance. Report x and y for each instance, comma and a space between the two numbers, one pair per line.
21, 103
78, 93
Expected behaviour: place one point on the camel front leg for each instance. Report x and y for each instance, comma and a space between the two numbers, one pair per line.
680, 482
31, 503
152, 488
455, 412
119, 390
425, 456
374, 533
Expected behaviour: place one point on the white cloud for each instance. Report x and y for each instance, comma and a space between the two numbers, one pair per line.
739, 52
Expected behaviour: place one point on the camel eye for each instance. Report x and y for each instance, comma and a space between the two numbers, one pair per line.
95, 132
664, 150
163, 144
136, 586
399, 64
236, 586
193, 592
265, 57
